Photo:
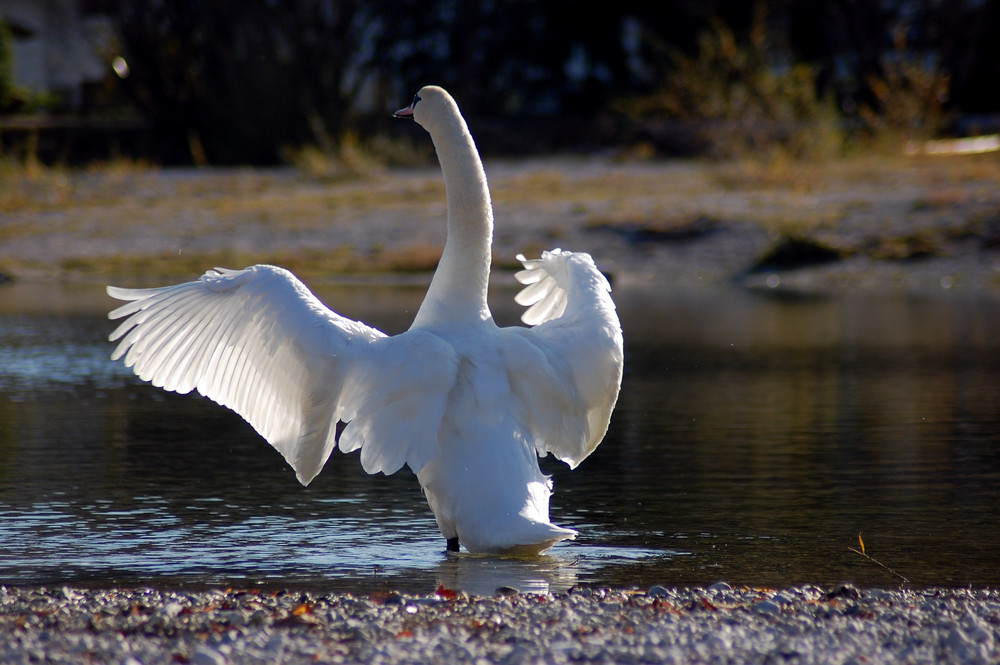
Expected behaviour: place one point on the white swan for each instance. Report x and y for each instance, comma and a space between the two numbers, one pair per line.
468, 406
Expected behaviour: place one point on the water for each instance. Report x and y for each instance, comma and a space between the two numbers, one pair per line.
755, 438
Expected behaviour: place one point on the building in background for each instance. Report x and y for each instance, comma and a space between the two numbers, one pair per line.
62, 49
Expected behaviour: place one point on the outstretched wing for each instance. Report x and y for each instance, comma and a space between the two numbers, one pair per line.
257, 341
566, 370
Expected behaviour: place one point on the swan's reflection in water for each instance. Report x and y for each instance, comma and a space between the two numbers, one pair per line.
555, 572
483, 575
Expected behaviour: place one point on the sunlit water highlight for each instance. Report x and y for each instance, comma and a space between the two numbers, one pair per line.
755, 438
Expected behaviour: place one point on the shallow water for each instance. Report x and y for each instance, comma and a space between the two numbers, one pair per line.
756, 436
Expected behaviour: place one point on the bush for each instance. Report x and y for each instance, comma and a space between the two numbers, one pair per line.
910, 97
741, 101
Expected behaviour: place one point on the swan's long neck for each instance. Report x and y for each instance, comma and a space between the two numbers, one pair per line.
458, 290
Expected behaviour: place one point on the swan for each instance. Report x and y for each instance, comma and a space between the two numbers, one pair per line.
467, 405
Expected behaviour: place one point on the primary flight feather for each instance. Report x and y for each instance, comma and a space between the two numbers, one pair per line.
467, 405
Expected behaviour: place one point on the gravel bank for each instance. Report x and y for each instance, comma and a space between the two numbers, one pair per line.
719, 624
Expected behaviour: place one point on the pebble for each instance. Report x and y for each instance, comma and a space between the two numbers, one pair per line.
767, 607
207, 656
780, 600
720, 623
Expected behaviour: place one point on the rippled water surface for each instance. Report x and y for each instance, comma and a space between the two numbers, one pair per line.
756, 436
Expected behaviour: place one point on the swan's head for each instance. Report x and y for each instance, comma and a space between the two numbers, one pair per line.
430, 103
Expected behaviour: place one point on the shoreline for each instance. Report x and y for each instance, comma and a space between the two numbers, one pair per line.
804, 624
865, 223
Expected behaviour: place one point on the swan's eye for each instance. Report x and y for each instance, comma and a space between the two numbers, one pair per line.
416, 98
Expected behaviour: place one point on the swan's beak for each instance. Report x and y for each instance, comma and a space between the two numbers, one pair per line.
408, 111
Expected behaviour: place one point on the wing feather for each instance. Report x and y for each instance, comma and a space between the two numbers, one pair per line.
566, 371
176, 340
187, 354
535, 291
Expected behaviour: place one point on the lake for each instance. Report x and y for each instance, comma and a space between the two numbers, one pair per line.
757, 435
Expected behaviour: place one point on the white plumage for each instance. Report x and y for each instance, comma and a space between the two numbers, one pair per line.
468, 406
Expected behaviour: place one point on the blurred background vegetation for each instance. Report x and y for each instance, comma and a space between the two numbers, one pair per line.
265, 82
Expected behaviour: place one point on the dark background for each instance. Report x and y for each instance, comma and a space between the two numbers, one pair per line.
244, 81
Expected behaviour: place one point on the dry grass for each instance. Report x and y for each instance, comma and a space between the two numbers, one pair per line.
787, 174
308, 264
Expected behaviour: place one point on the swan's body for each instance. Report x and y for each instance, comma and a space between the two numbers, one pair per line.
468, 406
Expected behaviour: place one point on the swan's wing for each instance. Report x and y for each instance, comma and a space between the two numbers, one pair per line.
566, 371
254, 340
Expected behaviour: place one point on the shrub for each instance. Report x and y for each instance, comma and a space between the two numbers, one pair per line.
909, 100
742, 100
